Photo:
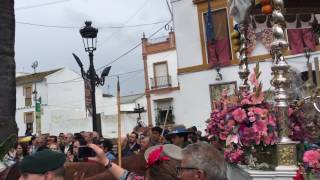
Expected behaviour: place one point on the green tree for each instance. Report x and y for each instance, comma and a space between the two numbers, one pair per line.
8, 126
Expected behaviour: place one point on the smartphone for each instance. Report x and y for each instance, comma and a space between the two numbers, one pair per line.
85, 151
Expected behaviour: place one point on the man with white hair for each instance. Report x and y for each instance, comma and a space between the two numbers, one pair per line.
201, 161
68, 139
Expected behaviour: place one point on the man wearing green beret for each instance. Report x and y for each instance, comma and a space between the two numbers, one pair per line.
43, 165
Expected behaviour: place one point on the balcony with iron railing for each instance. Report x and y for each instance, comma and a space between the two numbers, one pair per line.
160, 82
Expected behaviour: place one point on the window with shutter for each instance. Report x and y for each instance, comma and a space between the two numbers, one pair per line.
161, 76
28, 95
29, 117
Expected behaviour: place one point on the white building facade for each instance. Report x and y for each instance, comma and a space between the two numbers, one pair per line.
161, 78
196, 77
62, 93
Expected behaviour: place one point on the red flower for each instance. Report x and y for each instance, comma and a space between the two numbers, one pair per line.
260, 127
298, 176
233, 156
311, 157
223, 135
245, 101
155, 156
239, 115
258, 111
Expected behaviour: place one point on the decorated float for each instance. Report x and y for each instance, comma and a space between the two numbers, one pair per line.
270, 135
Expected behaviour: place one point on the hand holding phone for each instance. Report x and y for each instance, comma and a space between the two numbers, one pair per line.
85, 151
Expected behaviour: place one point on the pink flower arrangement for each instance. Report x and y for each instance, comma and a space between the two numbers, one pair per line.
250, 122
155, 157
239, 127
312, 159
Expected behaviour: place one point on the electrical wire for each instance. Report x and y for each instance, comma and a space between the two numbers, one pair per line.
68, 81
169, 9
127, 21
75, 27
41, 5
131, 77
131, 49
113, 75
118, 58
125, 73
131, 26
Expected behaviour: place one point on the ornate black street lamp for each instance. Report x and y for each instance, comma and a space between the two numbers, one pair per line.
89, 37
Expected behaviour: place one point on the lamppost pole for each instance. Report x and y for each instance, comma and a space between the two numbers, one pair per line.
93, 92
89, 36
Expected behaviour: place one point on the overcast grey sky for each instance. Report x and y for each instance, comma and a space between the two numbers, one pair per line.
52, 47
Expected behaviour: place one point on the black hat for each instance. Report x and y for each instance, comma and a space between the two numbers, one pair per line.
42, 162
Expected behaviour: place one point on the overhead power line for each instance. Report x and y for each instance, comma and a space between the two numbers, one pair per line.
75, 27
79, 79
130, 26
47, 26
41, 5
131, 49
125, 73
126, 22
169, 8
118, 58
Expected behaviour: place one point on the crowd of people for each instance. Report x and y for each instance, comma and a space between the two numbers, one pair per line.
178, 153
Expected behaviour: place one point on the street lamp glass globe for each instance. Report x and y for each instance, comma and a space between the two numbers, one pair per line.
89, 37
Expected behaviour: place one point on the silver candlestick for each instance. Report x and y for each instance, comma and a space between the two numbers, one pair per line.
286, 148
243, 66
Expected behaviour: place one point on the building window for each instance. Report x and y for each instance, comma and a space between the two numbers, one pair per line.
29, 126
163, 111
218, 48
28, 95
29, 118
161, 77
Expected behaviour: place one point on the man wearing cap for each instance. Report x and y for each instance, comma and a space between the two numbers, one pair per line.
178, 136
43, 165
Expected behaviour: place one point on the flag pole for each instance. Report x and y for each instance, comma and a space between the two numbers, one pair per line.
119, 124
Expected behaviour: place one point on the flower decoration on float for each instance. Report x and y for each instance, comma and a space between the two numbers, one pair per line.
242, 125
